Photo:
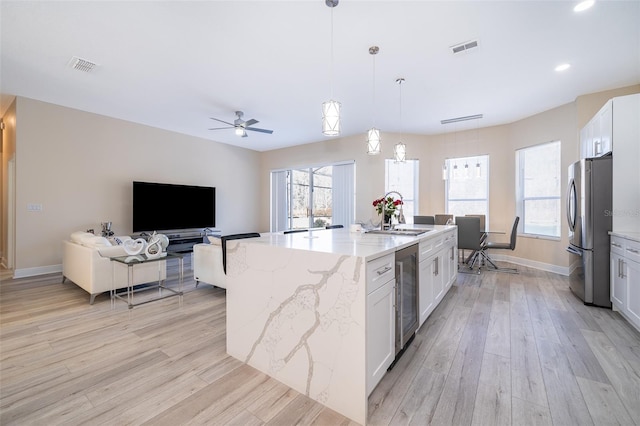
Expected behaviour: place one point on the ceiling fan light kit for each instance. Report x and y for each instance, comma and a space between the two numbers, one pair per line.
241, 126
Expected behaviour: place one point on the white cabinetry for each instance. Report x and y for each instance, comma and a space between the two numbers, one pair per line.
626, 160
596, 137
625, 278
381, 322
618, 281
437, 271
450, 262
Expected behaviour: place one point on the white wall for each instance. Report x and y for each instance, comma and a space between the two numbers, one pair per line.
80, 167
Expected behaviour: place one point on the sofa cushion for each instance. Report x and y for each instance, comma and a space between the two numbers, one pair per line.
215, 240
88, 239
79, 236
113, 251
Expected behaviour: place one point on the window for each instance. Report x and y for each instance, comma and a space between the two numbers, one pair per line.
312, 197
538, 189
467, 186
403, 177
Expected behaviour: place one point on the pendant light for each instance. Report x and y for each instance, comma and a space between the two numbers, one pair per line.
400, 149
373, 135
331, 108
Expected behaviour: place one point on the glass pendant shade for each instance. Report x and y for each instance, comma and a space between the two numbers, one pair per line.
373, 141
331, 118
400, 152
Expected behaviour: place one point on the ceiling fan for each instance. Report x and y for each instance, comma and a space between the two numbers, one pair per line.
241, 126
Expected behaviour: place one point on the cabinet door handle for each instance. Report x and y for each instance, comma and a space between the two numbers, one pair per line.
622, 262
451, 257
384, 271
435, 270
619, 268
633, 250
597, 146
616, 245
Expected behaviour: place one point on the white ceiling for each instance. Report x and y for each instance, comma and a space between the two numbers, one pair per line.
174, 64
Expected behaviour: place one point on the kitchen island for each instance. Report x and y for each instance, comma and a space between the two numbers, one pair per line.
315, 310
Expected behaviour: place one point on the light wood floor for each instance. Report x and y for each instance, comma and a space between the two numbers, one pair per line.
500, 349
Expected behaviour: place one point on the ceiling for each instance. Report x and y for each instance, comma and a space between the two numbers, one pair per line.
175, 64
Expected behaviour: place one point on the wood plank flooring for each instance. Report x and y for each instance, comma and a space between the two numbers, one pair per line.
500, 349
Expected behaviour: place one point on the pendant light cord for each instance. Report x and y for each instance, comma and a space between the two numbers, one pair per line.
331, 71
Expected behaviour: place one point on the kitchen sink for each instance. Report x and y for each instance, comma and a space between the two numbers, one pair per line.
407, 231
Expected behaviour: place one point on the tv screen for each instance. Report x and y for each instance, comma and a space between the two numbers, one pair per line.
165, 207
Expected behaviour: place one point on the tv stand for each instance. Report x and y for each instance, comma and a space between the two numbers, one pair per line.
183, 242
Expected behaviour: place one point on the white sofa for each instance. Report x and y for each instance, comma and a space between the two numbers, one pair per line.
209, 260
207, 264
85, 262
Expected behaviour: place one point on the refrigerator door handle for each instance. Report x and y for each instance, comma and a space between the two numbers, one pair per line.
574, 251
571, 204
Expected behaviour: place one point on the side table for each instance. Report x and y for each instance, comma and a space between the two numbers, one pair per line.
131, 262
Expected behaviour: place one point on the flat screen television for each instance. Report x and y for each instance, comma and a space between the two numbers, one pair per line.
169, 207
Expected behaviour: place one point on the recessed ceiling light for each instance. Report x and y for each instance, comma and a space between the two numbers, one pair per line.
563, 67
583, 5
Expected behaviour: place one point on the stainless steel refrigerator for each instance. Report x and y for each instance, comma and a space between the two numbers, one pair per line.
589, 209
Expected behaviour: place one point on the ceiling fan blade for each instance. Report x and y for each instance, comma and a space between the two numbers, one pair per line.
250, 122
244, 135
225, 122
220, 128
255, 129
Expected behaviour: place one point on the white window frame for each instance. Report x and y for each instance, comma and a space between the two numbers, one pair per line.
391, 184
471, 161
521, 199
342, 194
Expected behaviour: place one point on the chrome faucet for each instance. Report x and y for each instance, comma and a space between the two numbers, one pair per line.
384, 203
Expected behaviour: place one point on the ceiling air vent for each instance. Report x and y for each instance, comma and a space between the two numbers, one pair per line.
463, 47
82, 64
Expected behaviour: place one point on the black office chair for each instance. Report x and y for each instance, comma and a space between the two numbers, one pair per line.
333, 227
511, 245
469, 239
226, 238
424, 220
441, 219
294, 231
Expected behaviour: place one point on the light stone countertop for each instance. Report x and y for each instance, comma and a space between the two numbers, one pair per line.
633, 236
341, 241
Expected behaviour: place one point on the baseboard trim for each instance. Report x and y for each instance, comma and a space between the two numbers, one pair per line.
40, 270
560, 270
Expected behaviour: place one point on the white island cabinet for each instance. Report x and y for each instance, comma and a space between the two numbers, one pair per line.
315, 310
625, 275
381, 318
438, 271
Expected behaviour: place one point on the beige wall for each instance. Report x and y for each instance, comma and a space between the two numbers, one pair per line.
8, 152
499, 142
80, 166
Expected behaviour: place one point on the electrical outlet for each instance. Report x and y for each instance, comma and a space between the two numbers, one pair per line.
34, 207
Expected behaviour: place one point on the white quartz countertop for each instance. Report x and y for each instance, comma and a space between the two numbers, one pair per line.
342, 241
634, 236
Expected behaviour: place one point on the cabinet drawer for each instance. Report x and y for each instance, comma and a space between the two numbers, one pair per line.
380, 271
617, 245
428, 247
632, 250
